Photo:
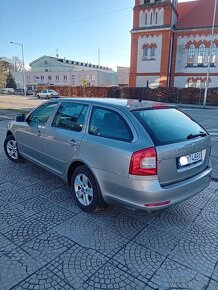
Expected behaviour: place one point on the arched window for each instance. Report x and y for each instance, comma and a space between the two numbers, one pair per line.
190, 84
201, 54
213, 54
156, 17
146, 19
145, 51
198, 84
151, 19
191, 55
153, 51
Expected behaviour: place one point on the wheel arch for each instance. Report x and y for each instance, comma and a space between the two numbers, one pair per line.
71, 169
9, 133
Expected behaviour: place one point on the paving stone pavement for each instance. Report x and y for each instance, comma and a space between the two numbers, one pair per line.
47, 242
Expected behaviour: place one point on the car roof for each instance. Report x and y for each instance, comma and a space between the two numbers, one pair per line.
130, 104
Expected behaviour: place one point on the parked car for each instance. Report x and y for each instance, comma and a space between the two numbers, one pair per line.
29, 92
138, 154
48, 94
19, 92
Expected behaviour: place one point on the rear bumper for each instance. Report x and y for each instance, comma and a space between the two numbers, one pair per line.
136, 193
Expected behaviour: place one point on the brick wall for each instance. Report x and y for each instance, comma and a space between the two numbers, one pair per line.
172, 95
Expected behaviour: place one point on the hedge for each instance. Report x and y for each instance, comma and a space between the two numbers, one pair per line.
171, 95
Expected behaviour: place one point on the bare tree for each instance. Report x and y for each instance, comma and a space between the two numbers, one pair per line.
16, 64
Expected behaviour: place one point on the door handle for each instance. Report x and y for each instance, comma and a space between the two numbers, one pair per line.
73, 142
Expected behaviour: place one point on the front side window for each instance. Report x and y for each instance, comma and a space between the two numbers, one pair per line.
109, 124
201, 54
41, 114
191, 54
70, 116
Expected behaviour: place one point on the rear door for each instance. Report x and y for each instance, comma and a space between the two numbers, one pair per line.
63, 137
182, 145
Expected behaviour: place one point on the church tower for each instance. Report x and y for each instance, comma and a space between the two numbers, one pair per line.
152, 42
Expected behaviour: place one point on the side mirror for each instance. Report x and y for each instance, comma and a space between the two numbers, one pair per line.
21, 118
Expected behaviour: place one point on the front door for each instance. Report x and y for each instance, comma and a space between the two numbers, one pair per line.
29, 136
62, 138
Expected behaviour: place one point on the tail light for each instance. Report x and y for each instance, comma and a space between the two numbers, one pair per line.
144, 162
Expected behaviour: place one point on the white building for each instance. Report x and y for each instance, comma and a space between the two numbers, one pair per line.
123, 76
48, 70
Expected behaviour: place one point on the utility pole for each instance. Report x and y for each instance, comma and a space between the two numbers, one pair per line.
99, 52
209, 57
21, 44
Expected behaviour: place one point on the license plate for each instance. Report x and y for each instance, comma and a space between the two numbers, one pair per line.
189, 159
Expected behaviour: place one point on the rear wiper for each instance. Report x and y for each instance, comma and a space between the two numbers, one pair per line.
192, 136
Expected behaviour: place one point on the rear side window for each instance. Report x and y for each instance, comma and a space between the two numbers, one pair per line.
70, 116
109, 124
166, 126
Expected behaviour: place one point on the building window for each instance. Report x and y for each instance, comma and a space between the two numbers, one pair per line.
65, 78
42, 77
46, 62
190, 84
146, 19
153, 52
156, 17
151, 19
198, 84
145, 52
49, 78
57, 78
146, 1
191, 55
201, 54
213, 54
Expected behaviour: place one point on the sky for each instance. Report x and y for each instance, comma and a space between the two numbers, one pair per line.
75, 29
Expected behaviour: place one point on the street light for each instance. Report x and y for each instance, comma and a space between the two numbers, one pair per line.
21, 44
209, 56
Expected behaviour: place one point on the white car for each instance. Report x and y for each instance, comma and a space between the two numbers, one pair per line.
48, 94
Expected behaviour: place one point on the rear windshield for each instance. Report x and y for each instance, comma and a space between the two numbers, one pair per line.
166, 126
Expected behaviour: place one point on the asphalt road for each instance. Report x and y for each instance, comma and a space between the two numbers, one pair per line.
209, 119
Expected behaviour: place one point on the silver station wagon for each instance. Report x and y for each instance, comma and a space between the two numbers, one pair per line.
134, 153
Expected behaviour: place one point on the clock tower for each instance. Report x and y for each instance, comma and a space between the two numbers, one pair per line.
152, 42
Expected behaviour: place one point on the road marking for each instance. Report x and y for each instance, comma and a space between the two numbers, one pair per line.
213, 132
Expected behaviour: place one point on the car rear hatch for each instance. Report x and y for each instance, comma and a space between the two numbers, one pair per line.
182, 145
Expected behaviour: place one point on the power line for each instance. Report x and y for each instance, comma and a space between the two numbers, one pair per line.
80, 20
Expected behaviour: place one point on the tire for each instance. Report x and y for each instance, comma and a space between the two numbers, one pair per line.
11, 149
38, 97
47, 97
86, 190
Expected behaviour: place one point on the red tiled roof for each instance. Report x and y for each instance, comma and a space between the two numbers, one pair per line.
196, 14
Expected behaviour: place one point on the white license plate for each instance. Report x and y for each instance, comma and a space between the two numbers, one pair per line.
189, 159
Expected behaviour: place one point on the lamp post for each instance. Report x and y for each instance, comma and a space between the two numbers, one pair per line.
209, 57
21, 44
